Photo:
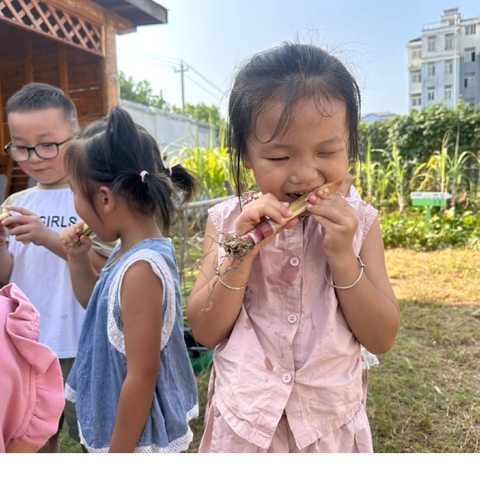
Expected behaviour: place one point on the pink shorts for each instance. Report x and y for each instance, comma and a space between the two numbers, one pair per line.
353, 437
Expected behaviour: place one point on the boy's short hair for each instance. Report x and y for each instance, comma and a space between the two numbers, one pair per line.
39, 96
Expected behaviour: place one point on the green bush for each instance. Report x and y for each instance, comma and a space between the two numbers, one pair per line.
446, 229
419, 134
436, 149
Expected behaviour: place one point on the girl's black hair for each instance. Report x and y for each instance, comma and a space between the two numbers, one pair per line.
287, 73
114, 151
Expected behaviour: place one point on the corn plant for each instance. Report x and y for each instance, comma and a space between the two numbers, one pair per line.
394, 178
449, 173
368, 174
210, 165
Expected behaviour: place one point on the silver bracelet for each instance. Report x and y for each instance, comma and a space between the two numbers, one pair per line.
362, 266
228, 286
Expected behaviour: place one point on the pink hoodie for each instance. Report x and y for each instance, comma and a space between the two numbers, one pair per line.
31, 386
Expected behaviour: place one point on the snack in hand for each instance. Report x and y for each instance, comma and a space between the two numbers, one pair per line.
5, 214
238, 246
86, 230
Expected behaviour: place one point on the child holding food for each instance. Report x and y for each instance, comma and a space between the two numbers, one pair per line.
288, 311
132, 381
42, 120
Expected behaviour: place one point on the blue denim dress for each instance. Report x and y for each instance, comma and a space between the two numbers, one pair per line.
100, 367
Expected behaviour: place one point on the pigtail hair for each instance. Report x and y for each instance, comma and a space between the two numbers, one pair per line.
121, 138
115, 151
156, 189
185, 181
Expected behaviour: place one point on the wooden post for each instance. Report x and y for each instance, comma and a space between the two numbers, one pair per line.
2, 119
63, 68
28, 58
7, 163
109, 65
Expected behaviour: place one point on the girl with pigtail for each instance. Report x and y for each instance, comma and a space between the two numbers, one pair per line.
132, 382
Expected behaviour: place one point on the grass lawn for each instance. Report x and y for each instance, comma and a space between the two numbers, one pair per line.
425, 394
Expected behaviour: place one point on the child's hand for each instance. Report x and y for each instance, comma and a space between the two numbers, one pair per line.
264, 206
30, 228
74, 244
255, 212
338, 219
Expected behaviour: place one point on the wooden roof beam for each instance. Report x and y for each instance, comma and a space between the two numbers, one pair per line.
139, 12
152, 8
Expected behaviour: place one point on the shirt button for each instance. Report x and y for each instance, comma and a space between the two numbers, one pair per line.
286, 377
294, 261
292, 318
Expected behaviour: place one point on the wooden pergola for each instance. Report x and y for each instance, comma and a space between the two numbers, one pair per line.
69, 44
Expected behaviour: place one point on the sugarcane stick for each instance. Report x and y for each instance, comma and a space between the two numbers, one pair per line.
86, 230
238, 246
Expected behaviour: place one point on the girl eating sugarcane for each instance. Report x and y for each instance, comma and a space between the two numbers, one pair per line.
287, 305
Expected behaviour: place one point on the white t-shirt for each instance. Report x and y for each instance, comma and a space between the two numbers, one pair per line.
43, 276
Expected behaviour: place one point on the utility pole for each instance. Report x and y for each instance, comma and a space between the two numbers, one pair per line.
183, 68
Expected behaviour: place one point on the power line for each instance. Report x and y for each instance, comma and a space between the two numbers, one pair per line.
204, 89
173, 60
152, 56
206, 79
151, 63
178, 65
185, 65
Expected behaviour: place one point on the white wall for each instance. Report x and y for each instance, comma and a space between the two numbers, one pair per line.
172, 131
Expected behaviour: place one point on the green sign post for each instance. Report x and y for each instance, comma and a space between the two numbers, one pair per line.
428, 200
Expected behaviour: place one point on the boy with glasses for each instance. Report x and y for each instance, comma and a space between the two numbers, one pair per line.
41, 120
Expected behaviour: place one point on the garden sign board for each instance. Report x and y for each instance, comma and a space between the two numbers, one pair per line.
429, 199
434, 199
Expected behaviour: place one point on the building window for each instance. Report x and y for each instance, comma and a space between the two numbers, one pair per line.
469, 81
448, 67
469, 55
416, 54
470, 29
431, 44
416, 76
416, 101
448, 92
431, 69
431, 94
449, 41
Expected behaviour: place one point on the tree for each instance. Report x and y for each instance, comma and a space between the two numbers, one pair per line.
201, 112
141, 92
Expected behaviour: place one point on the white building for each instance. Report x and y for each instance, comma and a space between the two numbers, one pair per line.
377, 117
443, 63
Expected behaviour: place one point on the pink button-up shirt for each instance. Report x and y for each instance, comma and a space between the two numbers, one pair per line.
291, 350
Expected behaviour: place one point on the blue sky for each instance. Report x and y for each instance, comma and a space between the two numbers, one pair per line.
215, 36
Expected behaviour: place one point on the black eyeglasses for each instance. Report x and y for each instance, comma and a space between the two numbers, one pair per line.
46, 150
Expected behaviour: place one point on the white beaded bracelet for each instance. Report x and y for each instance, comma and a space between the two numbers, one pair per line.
362, 266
